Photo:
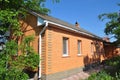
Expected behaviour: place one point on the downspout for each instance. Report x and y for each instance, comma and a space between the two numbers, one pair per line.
40, 48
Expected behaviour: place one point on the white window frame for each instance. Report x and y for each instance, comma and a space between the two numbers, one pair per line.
65, 39
79, 47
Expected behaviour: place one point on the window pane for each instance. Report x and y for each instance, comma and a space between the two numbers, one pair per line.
65, 46
79, 47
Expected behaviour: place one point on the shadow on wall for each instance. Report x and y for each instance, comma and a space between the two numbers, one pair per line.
91, 62
29, 24
99, 53
111, 50
93, 59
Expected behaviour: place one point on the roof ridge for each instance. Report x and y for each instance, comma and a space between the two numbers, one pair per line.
57, 19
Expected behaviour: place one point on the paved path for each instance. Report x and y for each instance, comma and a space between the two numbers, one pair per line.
78, 76
83, 74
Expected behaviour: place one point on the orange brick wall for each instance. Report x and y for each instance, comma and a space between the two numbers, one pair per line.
52, 47
55, 62
111, 51
52, 59
29, 27
43, 55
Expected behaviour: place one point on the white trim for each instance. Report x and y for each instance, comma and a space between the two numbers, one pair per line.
68, 28
40, 48
79, 54
65, 55
39, 73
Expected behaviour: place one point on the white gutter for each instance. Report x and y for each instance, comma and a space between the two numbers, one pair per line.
68, 28
40, 48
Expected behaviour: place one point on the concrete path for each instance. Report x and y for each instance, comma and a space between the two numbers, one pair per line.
83, 74
79, 76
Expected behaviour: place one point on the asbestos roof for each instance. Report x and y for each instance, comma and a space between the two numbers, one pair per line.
61, 22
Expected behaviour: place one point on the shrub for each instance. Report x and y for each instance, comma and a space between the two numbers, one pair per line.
102, 75
115, 61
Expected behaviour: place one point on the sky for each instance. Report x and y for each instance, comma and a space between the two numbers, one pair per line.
85, 12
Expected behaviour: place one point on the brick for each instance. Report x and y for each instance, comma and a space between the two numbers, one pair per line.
52, 48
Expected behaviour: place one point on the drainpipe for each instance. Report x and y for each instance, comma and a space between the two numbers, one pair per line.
40, 48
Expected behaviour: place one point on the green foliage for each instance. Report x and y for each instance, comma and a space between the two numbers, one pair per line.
9, 22
11, 48
115, 61
13, 74
12, 66
57, 1
110, 73
31, 58
112, 16
22, 5
32, 61
112, 25
102, 75
117, 75
25, 46
11, 11
29, 61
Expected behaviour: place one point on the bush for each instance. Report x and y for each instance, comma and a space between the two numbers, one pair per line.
115, 61
12, 66
102, 75
111, 73
117, 76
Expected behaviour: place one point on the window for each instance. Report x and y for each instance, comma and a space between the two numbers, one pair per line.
65, 46
79, 47
92, 48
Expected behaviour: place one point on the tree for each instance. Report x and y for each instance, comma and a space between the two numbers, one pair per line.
11, 11
112, 25
12, 66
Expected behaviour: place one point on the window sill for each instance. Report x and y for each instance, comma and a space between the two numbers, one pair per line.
65, 55
79, 54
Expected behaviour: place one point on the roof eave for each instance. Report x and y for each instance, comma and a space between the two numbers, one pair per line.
68, 28
63, 26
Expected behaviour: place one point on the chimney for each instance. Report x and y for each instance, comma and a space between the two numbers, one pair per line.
77, 24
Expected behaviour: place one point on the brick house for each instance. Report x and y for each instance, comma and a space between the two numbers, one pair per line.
65, 49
